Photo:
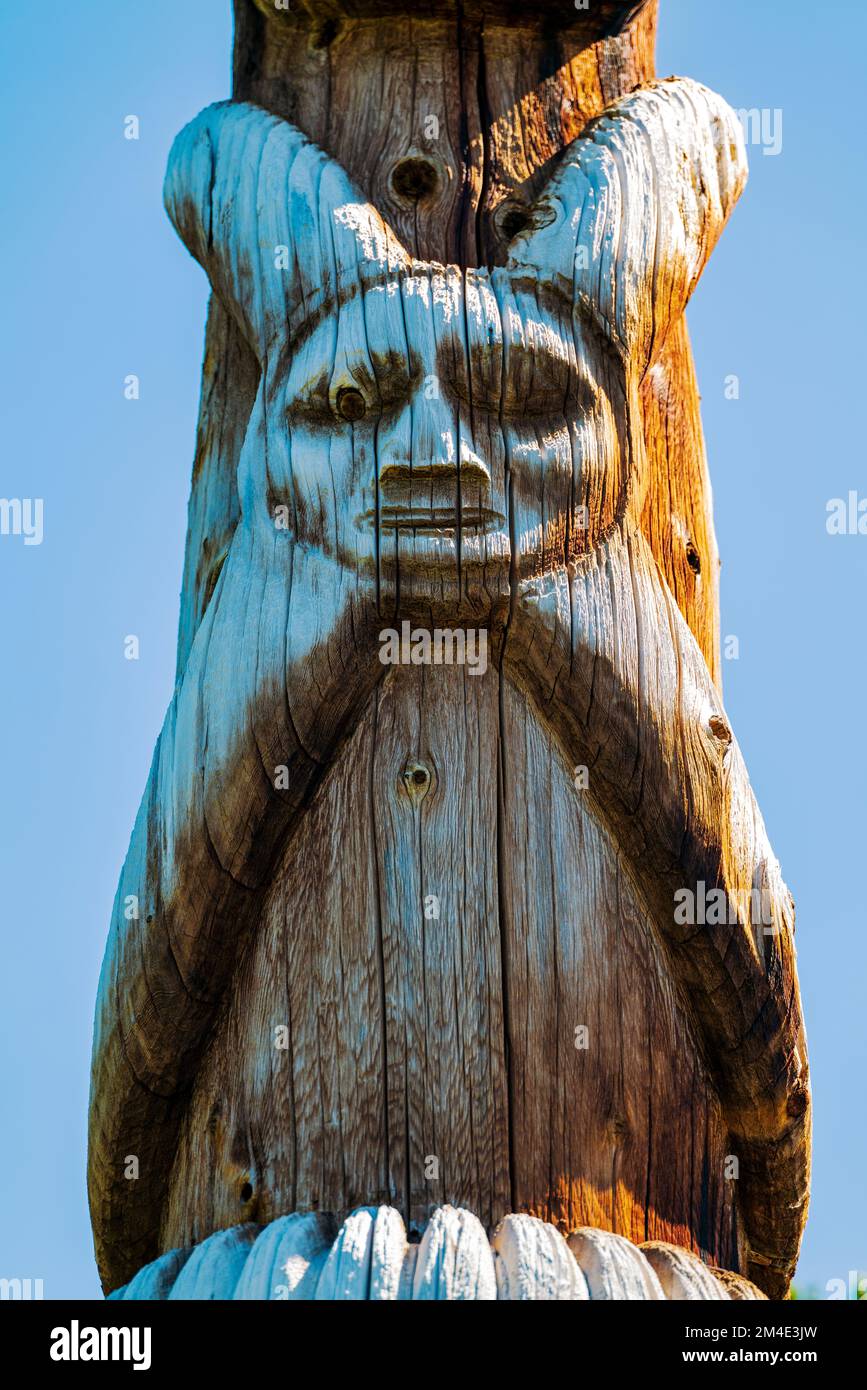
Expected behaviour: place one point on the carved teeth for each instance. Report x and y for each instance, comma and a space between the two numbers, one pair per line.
305, 1256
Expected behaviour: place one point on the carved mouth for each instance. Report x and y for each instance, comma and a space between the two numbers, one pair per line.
434, 519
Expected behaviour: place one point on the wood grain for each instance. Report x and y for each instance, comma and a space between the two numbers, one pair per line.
390, 1066
285, 857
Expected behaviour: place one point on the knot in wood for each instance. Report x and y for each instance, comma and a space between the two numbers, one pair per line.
799, 1099
417, 779
514, 216
720, 729
351, 404
416, 179
618, 1126
511, 218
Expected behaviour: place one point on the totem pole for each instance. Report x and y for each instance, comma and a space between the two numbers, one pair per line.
450, 958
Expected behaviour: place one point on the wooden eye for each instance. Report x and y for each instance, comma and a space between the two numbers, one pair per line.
350, 403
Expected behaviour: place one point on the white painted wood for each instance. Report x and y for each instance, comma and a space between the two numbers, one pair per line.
389, 1249
287, 1258
534, 1263
346, 1272
454, 1262
214, 1268
682, 1275
299, 1257
157, 1279
644, 194
613, 1267
407, 1274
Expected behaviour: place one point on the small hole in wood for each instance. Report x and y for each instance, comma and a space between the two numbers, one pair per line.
415, 179
324, 33
693, 559
351, 404
246, 1192
513, 221
719, 728
417, 779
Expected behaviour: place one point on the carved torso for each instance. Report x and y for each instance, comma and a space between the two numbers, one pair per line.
452, 1037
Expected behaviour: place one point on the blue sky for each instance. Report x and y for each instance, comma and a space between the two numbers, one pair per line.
97, 286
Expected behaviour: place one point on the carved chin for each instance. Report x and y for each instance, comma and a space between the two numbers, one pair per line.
447, 550
433, 544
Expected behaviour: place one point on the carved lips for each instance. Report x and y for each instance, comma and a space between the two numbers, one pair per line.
436, 496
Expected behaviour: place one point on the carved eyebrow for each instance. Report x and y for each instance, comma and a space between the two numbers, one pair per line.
537, 350
549, 373
565, 304
302, 332
552, 297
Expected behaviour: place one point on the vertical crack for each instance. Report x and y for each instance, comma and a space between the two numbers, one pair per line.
380, 953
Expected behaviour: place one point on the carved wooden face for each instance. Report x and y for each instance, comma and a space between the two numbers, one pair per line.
425, 427
458, 419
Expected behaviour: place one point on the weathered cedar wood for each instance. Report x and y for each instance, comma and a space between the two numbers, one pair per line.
452, 1037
